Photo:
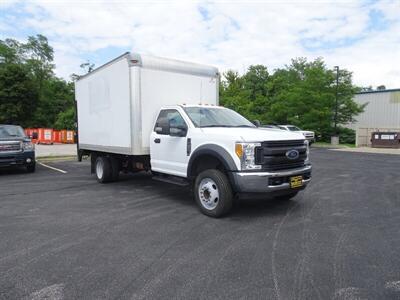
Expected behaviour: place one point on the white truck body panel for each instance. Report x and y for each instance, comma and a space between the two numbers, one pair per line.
103, 100
118, 102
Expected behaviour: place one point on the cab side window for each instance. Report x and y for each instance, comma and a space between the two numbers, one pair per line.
169, 117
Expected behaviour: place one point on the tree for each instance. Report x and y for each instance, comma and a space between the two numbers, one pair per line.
47, 96
366, 89
10, 51
302, 93
66, 119
18, 95
232, 93
57, 97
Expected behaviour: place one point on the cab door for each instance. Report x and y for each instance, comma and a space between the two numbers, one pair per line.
168, 144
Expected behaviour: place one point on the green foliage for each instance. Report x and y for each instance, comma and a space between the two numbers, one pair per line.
18, 95
302, 94
347, 135
66, 119
30, 93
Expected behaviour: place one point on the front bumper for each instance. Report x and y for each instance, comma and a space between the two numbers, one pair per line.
17, 158
269, 182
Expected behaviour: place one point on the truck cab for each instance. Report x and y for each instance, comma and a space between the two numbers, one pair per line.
16, 149
224, 155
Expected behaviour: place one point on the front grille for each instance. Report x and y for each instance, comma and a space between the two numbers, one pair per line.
10, 147
272, 155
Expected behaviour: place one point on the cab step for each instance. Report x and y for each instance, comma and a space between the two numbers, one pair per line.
172, 179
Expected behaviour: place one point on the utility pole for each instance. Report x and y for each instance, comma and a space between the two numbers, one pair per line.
335, 137
336, 102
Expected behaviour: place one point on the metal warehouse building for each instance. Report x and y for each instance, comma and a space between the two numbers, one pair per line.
382, 113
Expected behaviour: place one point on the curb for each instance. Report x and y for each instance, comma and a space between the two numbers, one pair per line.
56, 158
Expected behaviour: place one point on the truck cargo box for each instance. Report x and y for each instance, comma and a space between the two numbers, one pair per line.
118, 102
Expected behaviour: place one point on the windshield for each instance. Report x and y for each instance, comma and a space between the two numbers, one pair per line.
7, 131
293, 128
216, 117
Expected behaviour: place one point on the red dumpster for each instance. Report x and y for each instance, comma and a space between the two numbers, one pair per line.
32, 133
67, 136
45, 136
56, 136
63, 136
28, 132
70, 137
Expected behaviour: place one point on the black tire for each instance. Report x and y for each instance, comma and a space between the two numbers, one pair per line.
31, 168
80, 155
103, 169
115, 166
224, 201
286, 197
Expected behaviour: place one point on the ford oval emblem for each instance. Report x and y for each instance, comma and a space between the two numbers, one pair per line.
292, 154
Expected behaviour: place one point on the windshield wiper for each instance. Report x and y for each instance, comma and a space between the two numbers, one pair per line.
244, 126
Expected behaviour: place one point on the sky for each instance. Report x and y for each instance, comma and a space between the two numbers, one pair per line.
360, 36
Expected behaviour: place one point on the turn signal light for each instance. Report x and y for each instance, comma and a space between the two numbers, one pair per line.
239, 150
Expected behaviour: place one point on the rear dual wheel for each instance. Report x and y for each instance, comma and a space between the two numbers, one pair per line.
107, 169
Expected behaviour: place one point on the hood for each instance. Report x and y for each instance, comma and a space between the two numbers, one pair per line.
15, 139
254, 134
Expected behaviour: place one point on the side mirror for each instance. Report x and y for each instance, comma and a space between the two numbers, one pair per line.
162, 126
256, 123
177, 130
159, 130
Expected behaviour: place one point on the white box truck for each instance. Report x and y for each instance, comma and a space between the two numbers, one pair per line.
141, 112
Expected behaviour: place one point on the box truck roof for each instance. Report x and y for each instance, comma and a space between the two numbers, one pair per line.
160, 63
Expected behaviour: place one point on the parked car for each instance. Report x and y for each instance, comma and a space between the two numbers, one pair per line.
129, 119
270, 126
16, 149
309, 135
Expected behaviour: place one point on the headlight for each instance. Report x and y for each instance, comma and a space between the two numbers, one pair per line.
308, 151
28, 146
246, 154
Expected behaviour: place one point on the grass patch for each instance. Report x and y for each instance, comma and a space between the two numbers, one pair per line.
329, 145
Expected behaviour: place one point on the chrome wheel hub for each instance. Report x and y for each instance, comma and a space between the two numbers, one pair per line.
208, 193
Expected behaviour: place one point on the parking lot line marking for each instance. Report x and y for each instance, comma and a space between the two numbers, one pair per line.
50, 167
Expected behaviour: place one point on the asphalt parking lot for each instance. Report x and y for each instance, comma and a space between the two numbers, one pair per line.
64, 236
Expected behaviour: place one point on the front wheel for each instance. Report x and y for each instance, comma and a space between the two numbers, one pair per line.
213, 193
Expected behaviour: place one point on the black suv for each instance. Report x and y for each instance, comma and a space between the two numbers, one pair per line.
16, 149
